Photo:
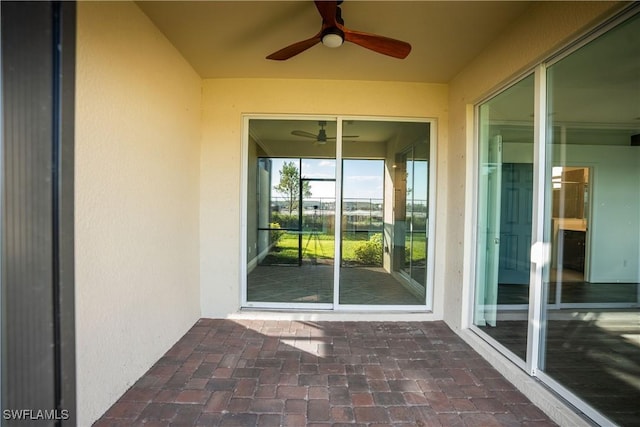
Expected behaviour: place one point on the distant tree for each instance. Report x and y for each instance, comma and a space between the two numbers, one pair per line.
289, 185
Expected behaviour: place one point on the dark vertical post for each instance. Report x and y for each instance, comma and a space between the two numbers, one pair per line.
36, 228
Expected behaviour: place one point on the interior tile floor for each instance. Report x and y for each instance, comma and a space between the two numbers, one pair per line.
314, 283
574, 290
293, 373
594, 353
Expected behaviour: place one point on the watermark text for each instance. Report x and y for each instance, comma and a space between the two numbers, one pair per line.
35, 414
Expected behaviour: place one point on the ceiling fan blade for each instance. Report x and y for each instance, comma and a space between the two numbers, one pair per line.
327, 10
304, 134
294, 49
380, 44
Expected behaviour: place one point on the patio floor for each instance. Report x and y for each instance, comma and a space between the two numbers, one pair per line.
294, 373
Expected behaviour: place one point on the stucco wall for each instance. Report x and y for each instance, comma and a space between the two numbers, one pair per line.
224, 103
541, 30
137, 194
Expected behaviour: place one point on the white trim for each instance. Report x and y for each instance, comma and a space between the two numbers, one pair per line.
471, 218
244, 180
539, 251
432, 200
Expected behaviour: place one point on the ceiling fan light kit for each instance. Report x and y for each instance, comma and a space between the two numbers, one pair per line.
332, 37
333, 34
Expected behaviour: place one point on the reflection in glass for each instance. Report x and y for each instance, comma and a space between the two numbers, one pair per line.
592, 329
419, 211
411, 219
373, 224
291, 206
505, 196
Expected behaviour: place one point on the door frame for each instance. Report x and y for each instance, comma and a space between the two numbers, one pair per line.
335, 305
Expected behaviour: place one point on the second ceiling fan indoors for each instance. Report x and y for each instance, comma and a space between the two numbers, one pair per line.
321, 137
333, 33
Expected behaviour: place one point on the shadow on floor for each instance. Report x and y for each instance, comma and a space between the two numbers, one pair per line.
283, 373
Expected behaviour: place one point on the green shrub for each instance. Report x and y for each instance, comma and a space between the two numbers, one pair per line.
284, 220
370, 252
275, 234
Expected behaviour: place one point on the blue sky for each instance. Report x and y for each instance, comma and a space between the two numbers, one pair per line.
362, 179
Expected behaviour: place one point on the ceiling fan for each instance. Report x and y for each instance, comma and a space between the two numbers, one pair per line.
321, 137
333, 33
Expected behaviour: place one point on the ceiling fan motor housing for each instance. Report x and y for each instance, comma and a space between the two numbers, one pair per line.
333, 34
332, 37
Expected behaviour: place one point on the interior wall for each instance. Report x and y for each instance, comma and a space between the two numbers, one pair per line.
541, 30
613, 222
138, 122
224, 103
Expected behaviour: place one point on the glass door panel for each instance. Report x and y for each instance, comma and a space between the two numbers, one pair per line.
408, 213
374, 226
411, 215
591, 341
363, 279
290, 206
505, 197
419, 213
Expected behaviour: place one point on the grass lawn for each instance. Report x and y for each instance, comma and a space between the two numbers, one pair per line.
322, 246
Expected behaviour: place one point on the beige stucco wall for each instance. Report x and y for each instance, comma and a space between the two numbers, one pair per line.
136, 198
539, 32
224, 103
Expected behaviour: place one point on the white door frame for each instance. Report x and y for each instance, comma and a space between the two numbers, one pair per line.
335, 305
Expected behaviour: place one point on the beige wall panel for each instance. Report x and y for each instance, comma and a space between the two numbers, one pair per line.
137, 195
224, 103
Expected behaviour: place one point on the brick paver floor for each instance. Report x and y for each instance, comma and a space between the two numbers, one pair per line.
294, 373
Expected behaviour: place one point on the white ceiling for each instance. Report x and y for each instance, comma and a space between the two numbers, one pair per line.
224, 39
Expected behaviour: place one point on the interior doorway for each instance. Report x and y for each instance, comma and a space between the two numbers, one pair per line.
570, 221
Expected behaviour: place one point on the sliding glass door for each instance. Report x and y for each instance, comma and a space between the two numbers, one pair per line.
309, 186
557, 238
290, 212
377, 232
